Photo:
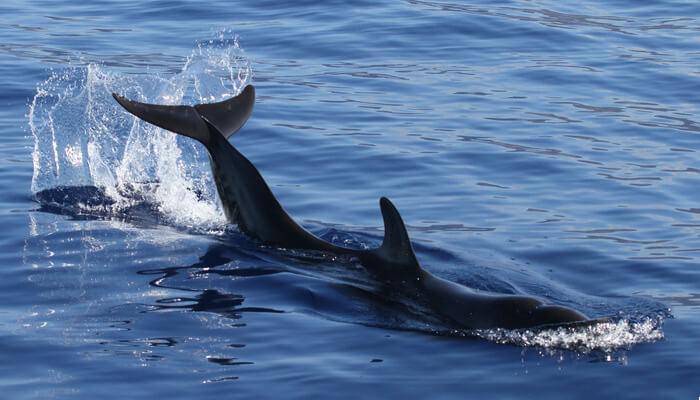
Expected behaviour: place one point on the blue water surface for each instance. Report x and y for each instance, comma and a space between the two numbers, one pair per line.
539, 148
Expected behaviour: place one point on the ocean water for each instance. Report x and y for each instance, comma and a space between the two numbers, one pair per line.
537, 148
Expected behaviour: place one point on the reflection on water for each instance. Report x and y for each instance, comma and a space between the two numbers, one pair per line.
235, 276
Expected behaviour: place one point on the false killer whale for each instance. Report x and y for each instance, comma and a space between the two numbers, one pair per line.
248, 202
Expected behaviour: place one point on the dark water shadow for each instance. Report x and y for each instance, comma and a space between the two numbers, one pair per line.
260, 279
277, 281
334, 287
92, 203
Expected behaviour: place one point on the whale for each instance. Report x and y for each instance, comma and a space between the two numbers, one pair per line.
248, 203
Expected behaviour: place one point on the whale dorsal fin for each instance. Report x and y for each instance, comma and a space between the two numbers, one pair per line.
184, 120
228, 116
396, 245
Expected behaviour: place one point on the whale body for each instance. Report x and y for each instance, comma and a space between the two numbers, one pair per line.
249, 203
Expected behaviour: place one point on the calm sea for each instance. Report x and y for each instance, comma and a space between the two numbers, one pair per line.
536, 148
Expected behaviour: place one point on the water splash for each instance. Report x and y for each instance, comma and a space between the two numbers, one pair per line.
83, 138
218, 68
605, 337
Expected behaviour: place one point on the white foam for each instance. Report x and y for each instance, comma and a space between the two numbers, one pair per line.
603, 336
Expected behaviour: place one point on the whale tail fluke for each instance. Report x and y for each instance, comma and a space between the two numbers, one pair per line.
227, 116
184, 120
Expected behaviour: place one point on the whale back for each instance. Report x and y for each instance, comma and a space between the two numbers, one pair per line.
249, 202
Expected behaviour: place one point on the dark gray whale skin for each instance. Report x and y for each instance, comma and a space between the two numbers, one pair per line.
248, 202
